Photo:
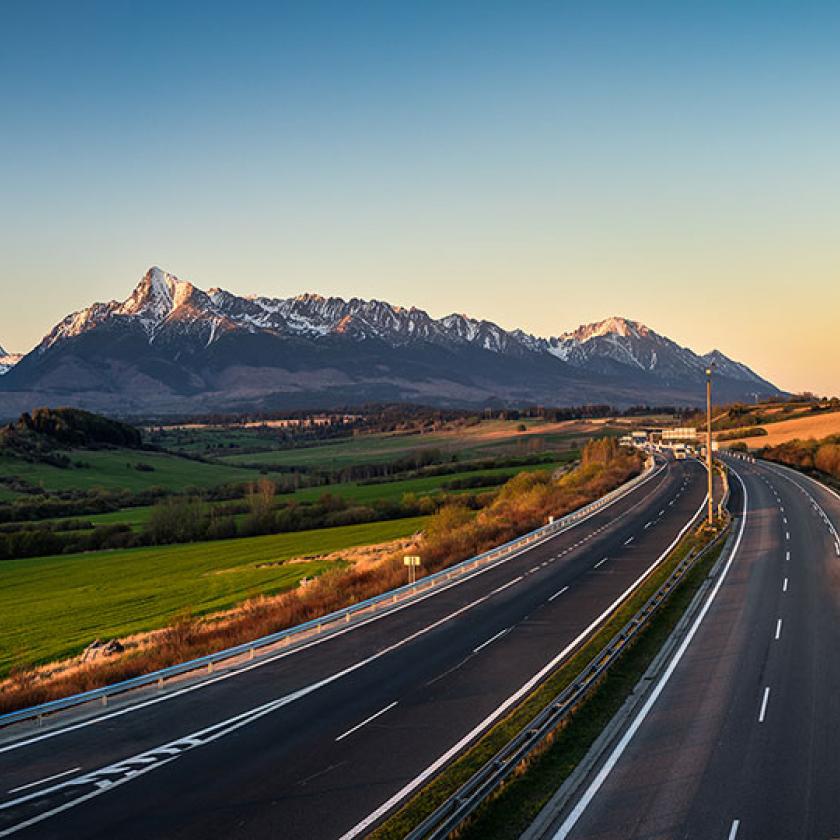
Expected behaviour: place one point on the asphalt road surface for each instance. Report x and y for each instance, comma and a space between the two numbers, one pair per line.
743, 742
322, 742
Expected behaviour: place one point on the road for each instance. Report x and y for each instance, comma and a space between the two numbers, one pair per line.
741, 742
320, 743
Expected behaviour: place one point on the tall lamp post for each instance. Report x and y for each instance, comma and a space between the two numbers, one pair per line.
709, 437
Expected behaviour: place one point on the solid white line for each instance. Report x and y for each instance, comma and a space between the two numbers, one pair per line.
784, 585
778, 628
44, 781
493, 639
600, 563
733, 832
559, 592
617, 752
764, 704
366, 721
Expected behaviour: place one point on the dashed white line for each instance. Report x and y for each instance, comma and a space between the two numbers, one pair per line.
648, 525
44, 781
627, 542
764, 700
787, 556
787, 535
535, 569
784, 585
492, 639
600, 563
778, 628
558, 593
733, 832
367, 721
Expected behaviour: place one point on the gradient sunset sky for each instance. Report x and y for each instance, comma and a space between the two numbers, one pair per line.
537, 164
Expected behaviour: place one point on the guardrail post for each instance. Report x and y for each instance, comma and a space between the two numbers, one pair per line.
209, 667
39, 721
160, 683
104, 699
251, 653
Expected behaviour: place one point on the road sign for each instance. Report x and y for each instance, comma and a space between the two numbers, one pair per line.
412, 561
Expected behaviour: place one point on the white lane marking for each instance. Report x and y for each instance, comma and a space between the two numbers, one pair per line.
362, 826
648, 525
506, 585
784, 585
44, 781
764, 704
733, 832
535, 569
493, 639
784, 519
787, 535
558, 593
600, 563
367, 721
787, 556
618, 750
627, 542
778, 628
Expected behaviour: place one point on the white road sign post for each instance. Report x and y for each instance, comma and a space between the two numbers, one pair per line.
412, 561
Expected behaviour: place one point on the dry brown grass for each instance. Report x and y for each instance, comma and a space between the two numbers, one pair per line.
813, 426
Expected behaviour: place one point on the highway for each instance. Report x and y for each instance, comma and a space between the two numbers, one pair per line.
739, 739
325, 741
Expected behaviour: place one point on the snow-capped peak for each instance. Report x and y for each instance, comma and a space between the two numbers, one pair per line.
623, 327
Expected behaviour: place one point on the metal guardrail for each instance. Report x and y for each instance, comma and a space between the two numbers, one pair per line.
464, 802
333, 621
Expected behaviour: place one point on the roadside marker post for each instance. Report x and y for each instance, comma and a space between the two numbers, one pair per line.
412, 561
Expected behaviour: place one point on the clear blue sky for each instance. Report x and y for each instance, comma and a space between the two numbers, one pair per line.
537, 164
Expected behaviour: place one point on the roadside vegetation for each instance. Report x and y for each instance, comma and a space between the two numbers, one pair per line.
822, 456
62, 603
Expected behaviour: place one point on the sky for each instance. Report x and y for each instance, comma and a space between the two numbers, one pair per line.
538, 164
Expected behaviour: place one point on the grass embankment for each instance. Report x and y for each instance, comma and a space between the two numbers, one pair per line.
519, 802
116, 469
54, 606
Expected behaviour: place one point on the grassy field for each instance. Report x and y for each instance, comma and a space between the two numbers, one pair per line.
116, 469
492, 437
136, 517
54, 606
811, 426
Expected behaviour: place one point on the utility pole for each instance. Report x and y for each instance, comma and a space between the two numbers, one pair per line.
709, 438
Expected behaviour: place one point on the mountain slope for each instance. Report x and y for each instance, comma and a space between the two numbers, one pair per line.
171, 347
8, 360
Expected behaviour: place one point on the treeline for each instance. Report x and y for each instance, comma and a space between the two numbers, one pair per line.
821, 455
50, 427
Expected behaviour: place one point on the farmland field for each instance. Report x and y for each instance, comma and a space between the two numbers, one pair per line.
55, 606
117, 470
811, 426
353, 492
493, 437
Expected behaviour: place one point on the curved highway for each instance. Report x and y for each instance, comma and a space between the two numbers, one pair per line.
742, 741
324, 741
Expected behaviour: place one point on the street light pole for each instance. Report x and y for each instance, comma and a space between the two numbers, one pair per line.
709, 438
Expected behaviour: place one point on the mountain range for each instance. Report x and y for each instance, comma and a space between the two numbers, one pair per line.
172, 348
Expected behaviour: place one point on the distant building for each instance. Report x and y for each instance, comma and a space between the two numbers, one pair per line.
680, 434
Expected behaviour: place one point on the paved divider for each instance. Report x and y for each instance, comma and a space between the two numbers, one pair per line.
338, 620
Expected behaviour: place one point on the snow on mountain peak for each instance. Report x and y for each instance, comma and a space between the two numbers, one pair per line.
623, 327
